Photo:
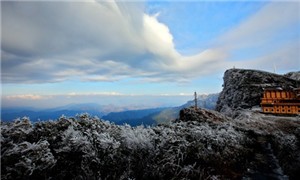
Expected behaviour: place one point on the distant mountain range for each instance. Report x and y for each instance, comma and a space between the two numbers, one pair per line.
159, 115
134, 117
8, 114
116, 114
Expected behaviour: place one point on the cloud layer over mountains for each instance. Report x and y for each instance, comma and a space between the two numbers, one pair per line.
109, 41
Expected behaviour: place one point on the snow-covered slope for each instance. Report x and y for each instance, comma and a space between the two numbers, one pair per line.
201, 143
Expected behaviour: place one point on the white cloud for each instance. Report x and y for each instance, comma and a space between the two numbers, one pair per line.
109, 41
158, 38
260, 29
285, 58
95, 94
27, 97
268, 31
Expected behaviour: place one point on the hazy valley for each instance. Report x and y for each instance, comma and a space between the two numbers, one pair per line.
132, 115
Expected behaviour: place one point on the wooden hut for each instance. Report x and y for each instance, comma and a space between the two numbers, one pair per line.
280, 101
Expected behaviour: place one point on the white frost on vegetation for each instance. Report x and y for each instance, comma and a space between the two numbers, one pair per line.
138, 137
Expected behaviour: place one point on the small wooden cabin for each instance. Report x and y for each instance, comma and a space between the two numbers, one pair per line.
279, 101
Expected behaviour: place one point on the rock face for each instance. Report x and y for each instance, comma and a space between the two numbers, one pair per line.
243, 88
293, 75
201, 115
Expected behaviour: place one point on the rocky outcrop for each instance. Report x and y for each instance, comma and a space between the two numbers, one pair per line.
201, 115
293, 75
243, 88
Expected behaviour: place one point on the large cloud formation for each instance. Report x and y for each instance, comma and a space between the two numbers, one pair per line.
109, 41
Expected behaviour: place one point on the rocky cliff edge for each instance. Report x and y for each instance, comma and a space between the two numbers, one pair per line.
243, 88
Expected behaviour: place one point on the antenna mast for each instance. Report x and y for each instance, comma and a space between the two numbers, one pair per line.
274, 68
195, 94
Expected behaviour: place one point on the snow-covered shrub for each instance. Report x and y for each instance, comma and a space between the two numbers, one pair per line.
17, 131
137, 138
27, 160
86, 147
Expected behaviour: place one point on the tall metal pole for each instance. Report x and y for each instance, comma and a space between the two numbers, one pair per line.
195, 94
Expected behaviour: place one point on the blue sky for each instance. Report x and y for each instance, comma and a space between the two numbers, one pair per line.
116, 50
